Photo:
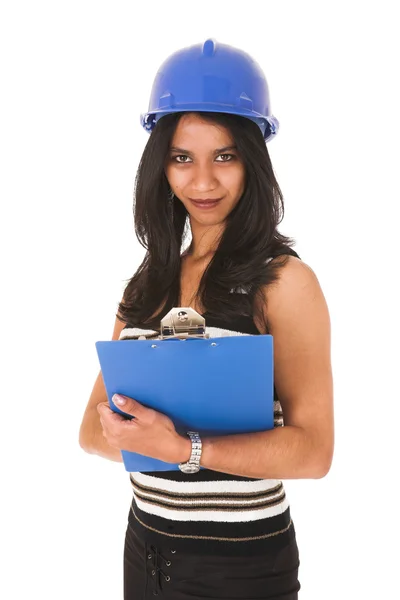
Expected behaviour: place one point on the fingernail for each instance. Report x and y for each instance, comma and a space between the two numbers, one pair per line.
117, 399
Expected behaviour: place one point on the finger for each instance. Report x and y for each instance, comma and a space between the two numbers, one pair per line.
130, 406
103, 408
109, 416
103, 427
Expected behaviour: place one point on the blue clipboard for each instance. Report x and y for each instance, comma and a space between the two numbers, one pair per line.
216, 386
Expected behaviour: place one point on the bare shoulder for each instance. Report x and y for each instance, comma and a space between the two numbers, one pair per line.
295, 272
296, 289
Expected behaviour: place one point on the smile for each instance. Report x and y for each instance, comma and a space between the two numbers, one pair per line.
205, 204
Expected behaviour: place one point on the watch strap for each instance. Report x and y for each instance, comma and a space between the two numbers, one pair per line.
195, 456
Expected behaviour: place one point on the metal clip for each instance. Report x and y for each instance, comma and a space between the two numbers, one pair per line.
183, 323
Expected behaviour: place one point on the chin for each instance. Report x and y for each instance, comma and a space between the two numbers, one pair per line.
211, 222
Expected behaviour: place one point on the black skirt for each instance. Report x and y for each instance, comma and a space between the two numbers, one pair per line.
151, 571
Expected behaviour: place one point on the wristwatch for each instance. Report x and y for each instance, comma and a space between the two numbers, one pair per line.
193, 464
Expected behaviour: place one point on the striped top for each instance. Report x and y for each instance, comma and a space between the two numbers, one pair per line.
211, 512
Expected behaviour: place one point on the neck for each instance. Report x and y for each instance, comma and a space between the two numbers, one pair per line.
205, 241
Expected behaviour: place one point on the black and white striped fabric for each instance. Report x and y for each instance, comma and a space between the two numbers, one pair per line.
210, 511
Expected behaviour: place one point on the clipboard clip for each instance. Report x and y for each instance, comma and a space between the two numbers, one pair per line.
183, 323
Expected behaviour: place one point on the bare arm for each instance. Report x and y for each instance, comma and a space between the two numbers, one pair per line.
91, 437
298, 319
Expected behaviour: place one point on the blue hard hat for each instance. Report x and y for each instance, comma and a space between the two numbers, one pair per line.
211, 77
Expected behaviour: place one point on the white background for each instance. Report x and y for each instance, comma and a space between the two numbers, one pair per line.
74, 78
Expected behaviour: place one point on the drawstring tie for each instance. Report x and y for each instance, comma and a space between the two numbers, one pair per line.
157, 562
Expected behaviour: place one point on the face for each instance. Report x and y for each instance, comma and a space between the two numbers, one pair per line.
203, 164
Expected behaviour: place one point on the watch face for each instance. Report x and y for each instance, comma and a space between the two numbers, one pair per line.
189, 468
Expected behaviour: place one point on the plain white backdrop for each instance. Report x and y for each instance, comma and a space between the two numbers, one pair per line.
74, 78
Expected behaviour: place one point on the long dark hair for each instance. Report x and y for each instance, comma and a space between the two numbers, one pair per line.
249, 239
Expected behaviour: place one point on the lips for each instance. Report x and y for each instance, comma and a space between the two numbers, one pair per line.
205, 201
207, 204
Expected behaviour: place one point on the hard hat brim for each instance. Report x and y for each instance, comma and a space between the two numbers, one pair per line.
268, 124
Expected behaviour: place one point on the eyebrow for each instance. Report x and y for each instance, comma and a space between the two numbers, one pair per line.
217, 151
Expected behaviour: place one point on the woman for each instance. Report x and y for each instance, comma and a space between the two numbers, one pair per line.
224, 531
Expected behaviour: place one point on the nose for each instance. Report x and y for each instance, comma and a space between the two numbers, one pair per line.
204, 179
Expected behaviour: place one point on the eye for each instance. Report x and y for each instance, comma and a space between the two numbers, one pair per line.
231, 156
180, 156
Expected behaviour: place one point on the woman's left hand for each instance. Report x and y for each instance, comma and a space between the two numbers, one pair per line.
150, 433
